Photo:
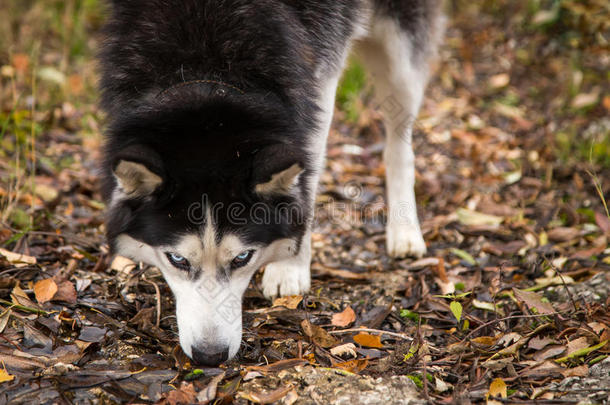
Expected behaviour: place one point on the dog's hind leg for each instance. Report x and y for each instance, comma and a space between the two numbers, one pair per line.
398, 65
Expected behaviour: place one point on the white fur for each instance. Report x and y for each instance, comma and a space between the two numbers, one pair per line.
292, 276
208, 308
399, 85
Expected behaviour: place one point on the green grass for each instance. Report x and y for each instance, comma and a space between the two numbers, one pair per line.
351, 89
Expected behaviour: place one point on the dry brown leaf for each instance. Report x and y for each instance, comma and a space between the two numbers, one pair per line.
122, 264
533, 300
485, 340
266, 397
184, 395
65, 292
580, 371
537, 343
44, 290
563, 234
343, 350
577, 344
279, 365
18, 259
550, 351
353, 366
318, 335
499, 81
21, 62
367, 340
344, 318
290, 301
19, 297
603, 222
207, 395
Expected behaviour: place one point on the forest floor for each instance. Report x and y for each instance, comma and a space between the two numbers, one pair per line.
510, 305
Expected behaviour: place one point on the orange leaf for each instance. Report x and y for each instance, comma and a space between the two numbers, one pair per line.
498, 388
364, 339
45, 290
5, 376
290, 302
342, 319
485, 340
21, 62
353, 366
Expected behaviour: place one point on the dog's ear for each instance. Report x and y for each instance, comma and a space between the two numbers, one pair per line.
277, 171
138, 171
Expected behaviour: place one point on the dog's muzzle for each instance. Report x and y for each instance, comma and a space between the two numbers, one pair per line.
210, 356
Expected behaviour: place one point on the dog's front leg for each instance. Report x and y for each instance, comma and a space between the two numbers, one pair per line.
291, 276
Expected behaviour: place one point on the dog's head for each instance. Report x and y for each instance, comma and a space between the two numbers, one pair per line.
208, 194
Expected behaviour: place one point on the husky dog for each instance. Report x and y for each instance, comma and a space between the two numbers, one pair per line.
218, 117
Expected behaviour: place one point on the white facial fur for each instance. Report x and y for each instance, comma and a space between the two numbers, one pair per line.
208, 306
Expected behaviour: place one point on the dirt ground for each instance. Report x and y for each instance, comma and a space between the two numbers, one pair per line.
510, 305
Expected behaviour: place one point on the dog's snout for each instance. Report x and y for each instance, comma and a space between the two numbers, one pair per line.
209, 356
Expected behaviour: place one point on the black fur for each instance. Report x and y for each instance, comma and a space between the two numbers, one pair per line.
206, 92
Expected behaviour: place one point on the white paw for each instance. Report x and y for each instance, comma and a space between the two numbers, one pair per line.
285, 278
405, 240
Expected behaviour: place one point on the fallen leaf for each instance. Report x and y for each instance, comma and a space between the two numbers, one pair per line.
603, 222
184, 395
21, 62
44, 290
18, 259
585, 100
353, 366
497, 388
264, 397
577, 344
563, 234
122, 264
485, 340
5, 376
580, 371
499, 81
549, 352
318, 335
343, 350
582, 352
367, 340
4, 318
279, 365
474, 218
208, 394
65, 292
290, 301
344, 318
464, 255
537, 343
533, 301
19, 297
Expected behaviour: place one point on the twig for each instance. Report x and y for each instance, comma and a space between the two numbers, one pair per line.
508, 318
24, 308
394, 334
158, 298
556, 270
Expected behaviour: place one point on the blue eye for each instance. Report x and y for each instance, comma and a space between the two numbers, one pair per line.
178, 261
242, 259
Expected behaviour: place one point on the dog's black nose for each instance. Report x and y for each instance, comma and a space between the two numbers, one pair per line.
209, 356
